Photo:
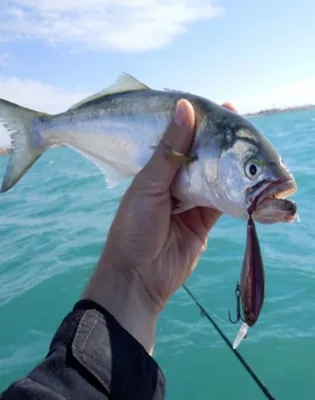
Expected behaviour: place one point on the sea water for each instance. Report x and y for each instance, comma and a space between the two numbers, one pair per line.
52, 232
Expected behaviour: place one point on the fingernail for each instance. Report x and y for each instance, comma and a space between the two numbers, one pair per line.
180, 117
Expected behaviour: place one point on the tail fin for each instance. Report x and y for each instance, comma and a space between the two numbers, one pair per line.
26, 143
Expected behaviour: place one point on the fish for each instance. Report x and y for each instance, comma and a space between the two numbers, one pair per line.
231, 165
252, 283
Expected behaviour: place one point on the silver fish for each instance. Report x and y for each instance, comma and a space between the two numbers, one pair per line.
232, 167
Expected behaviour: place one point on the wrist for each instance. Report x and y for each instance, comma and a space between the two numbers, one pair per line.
125, 300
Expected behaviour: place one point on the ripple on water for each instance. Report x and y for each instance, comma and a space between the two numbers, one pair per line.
53, 225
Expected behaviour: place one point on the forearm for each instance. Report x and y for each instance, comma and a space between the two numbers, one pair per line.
92, 356
125, 298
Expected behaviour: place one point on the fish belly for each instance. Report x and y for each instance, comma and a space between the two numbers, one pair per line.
119, 145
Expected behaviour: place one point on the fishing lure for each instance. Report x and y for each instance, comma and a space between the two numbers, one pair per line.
250, 291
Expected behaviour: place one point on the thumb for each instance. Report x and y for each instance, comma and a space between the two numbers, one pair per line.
161, 170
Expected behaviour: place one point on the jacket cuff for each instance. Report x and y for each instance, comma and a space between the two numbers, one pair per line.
109, 353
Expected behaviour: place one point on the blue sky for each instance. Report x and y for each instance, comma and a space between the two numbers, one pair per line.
256, 54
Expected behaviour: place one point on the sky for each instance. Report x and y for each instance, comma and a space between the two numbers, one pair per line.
255, 54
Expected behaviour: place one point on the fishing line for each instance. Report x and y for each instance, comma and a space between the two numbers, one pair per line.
204, 313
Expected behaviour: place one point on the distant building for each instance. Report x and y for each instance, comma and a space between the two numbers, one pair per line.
5, 151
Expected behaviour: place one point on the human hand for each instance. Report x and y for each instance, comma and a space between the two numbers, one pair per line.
150, 252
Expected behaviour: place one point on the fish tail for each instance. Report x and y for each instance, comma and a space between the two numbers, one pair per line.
27, 145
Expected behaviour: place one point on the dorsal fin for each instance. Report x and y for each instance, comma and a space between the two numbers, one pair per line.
124, 83
175, 90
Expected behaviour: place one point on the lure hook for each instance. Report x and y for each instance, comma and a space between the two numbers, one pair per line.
238, 306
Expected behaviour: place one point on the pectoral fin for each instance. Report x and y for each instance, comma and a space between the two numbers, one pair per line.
181, 207
175, 156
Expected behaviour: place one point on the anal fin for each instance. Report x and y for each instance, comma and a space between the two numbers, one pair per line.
112, 176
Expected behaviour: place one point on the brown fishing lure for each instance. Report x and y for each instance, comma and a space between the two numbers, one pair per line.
250, 291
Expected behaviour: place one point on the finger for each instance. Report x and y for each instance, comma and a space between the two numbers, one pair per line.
199, 220
229, 106
210, 217
161, 170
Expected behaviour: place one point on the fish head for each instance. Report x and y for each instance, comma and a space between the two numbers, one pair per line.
251, 176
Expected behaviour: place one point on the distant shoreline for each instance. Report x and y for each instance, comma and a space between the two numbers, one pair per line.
274, 111
5, 151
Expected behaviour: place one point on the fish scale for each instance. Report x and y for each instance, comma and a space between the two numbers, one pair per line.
119, 127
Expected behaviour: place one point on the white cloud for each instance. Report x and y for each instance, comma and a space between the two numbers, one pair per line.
297, 93
129, 25
44, 97
38, 95
4, 60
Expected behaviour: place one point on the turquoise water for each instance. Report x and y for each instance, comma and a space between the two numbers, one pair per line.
52, 232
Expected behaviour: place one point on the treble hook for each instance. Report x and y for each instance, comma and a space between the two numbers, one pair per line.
238, 306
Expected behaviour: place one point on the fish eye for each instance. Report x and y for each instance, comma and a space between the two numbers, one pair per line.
252, 169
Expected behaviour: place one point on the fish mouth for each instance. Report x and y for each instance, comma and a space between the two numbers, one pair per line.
269, 203
277, 190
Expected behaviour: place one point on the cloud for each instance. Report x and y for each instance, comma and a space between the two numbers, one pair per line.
295, 94
36, 95
127, 25
4, 60
43, 97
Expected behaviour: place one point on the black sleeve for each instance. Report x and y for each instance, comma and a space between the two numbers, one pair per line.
91, 357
